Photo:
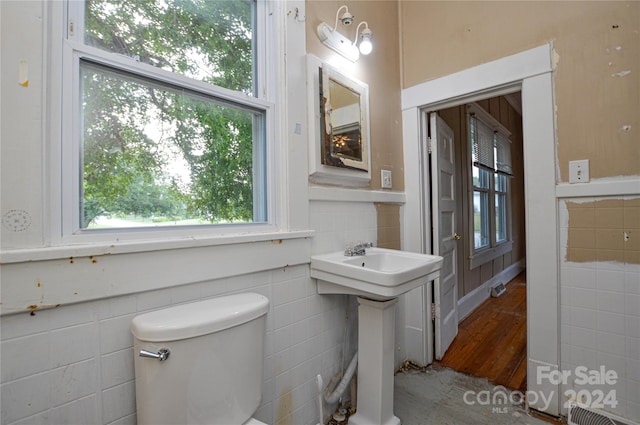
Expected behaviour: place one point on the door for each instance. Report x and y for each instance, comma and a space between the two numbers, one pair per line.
445, 235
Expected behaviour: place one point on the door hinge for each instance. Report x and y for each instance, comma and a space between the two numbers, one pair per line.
435, 311
429, 144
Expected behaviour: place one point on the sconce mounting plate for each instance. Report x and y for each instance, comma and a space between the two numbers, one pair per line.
337, 42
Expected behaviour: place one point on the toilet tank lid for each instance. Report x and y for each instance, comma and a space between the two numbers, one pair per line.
198, 318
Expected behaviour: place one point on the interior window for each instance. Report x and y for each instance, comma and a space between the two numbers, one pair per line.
490, 170
481, 208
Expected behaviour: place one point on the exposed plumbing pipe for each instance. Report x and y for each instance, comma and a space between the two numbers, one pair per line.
354, 393
319, 380
342, 386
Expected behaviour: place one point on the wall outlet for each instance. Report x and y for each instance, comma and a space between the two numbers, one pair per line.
579, 171
386, 179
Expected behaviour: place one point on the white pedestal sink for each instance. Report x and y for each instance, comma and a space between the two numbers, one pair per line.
377, 278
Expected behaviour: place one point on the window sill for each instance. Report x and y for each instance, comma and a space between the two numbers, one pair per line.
490, 254
128, 247
45, 278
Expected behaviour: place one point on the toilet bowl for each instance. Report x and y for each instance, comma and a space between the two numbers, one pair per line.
201, 363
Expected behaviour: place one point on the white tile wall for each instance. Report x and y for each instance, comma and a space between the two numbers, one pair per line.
339, 223
74, 364
600, 324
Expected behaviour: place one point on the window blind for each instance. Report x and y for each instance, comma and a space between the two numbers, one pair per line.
482, 144
503, 154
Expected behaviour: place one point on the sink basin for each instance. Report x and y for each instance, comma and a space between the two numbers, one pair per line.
381, 274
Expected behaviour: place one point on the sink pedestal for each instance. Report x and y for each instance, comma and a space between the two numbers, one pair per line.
376, 341
382, 275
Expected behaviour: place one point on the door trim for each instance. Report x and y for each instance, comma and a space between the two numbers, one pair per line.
531, 72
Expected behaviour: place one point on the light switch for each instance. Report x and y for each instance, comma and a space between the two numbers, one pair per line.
386, 179
579, 171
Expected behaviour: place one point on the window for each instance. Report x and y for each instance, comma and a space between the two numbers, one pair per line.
502, 151
481, 209
501, 191
167, 125
490, 171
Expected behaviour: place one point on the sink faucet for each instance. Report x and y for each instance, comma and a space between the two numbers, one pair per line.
359, 249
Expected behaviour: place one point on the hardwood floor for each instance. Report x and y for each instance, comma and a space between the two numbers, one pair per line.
492, 341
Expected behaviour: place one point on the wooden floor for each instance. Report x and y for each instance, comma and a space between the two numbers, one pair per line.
492, 341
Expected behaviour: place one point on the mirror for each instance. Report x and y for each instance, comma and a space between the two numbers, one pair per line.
341, 122
341, 141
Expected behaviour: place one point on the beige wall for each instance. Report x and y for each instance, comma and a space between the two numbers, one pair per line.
597, 80
380, 70
388, 217
604, 230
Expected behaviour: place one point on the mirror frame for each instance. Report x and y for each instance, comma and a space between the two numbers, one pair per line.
352, 172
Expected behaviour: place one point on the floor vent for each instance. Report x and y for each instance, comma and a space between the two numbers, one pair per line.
579, 415
497, 290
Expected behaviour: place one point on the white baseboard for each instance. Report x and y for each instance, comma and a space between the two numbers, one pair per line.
473, 299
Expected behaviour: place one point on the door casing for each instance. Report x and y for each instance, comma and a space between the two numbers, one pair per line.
531, 73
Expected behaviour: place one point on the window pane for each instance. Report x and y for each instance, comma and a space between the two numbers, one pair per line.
155, 155
209, 40
500, 182
480, 177
501, 217
501, 206
480, 219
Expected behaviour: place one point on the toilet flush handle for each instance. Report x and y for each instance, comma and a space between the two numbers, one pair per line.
162, 354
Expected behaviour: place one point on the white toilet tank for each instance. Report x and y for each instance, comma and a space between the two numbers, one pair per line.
213, 372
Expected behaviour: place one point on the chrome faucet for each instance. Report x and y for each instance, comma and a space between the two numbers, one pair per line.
359, 249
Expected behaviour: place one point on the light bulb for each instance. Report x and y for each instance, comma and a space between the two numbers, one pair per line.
365, 45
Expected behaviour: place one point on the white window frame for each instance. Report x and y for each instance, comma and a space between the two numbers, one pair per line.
495, 249
268, 52
487, 192
506, 193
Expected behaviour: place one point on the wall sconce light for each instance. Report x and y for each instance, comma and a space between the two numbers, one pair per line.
331, 38
365, 38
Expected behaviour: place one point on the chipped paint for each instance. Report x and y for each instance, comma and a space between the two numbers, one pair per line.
625, 129
621, 73
555, 59
23, 73
35, 307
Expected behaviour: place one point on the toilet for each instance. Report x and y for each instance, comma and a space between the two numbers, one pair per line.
201, 362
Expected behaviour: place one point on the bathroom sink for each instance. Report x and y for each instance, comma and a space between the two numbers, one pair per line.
380, 274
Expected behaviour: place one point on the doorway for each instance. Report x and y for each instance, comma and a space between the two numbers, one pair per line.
531, 72
477, 215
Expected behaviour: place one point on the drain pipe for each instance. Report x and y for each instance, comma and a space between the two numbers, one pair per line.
342, 386
319, 380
